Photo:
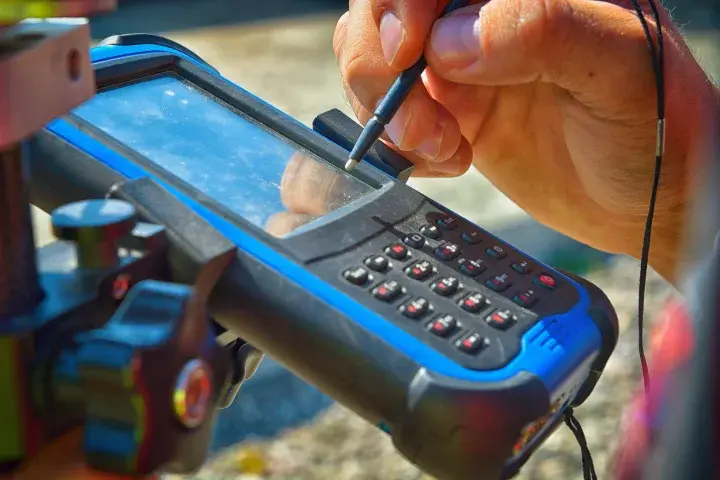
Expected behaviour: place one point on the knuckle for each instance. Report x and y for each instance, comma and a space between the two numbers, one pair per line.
532, 25
544, 30
354, 65
340, 34
362, 115
358, 75
353, 71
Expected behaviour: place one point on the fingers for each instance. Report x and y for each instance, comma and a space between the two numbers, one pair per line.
404, 26
422, 125
456, 165
339, 37
575, 44
369, 77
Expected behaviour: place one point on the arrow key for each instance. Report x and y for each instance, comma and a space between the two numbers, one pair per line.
499, 283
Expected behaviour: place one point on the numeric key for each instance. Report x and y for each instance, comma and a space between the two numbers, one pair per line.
443, 326
501, 319
471, 343
416, 308
377, 263
388, 291
397, 251
357, 276
472, 268
446, 286
474, 303
420, 270
447, 251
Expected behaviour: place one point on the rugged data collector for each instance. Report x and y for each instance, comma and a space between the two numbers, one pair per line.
462, 348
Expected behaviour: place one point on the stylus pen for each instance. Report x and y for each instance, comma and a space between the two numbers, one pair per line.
392, 102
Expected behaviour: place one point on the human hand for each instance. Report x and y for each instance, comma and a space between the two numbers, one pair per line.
553, 101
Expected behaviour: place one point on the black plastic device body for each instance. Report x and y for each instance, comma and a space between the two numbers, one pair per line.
465, 350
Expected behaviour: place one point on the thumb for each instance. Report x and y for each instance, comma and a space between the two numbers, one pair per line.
578, 45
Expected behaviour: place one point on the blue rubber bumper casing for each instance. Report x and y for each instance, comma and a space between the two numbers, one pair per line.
453, 422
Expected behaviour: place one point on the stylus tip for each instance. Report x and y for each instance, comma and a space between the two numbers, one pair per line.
350, 164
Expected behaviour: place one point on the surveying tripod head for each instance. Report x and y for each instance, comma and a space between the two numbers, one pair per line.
95, 332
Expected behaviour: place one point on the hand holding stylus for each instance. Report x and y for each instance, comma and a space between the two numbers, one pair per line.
554, 102
390, 104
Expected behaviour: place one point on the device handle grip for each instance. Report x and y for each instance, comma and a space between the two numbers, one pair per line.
152, 379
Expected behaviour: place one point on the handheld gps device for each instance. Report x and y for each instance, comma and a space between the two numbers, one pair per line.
462, 348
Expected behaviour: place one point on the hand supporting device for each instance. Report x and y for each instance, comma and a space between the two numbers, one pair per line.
462, 348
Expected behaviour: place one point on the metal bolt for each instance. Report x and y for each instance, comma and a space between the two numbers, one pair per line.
95, 226
192, 393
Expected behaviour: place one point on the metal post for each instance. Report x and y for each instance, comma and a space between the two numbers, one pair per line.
19, 285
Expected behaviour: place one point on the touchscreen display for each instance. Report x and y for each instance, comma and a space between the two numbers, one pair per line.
232, 159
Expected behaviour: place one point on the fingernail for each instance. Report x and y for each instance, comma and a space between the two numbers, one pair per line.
430, 147
397, 126
447, 166
392, 35
453, 165
456, 38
